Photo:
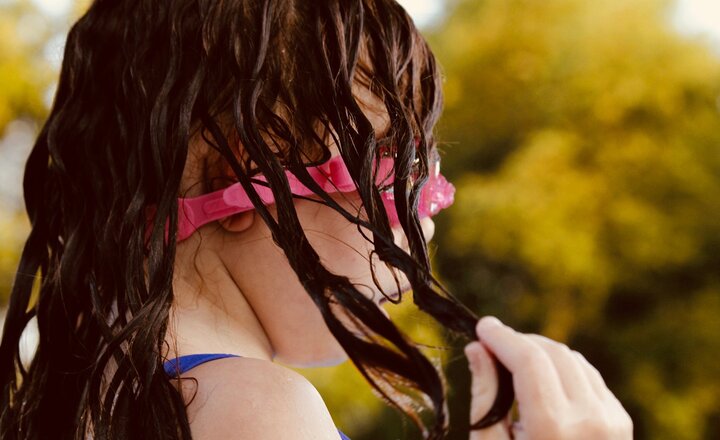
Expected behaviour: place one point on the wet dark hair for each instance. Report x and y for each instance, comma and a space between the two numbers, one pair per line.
139, 79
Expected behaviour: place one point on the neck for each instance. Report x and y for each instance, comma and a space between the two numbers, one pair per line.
213, 316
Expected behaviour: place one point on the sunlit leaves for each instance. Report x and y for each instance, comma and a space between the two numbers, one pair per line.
584, 138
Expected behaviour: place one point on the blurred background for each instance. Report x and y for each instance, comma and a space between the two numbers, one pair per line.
584, 140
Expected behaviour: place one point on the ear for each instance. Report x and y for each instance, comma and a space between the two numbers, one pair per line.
238, 222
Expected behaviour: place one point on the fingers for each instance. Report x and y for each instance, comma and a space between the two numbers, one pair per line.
574, 379
593, 377
622, 422
560, 394
535, 379
483, 373
483, 390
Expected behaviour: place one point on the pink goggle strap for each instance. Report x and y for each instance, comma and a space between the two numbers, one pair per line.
332, 176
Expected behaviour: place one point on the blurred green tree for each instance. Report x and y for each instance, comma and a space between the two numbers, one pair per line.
24, 71
584, 138
25, 75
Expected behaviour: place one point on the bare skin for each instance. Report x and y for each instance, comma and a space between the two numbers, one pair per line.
236, 293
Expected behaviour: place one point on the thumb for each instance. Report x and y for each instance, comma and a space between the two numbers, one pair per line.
483, 389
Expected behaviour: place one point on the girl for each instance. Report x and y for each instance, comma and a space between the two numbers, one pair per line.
225, 184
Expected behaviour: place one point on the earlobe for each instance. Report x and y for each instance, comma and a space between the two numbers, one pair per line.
238, 222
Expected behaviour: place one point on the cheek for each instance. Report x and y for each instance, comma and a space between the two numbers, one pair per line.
337, 241
343, 250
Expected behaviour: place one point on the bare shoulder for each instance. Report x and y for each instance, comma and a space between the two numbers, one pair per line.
245, 398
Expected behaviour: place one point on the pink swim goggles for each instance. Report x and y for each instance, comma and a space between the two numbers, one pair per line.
332, 177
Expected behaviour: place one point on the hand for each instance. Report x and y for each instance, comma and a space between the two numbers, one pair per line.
559, 394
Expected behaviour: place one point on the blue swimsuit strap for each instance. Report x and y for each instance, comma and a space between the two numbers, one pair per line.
179, 365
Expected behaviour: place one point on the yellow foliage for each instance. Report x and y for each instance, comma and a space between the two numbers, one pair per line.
583, 140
